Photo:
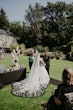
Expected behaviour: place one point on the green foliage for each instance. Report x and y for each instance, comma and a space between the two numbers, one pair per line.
34, 14
17, 29
14, 45
63, 48
34, 17
39, 48
4, 23
70, 46
50, 26
46, 48
70, 43
22, 48
52, 56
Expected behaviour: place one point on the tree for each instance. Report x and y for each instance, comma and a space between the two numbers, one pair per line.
20, 31
4, 23
34, 19
16, 28
59, 17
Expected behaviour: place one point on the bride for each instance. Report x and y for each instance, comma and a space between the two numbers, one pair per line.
35, 83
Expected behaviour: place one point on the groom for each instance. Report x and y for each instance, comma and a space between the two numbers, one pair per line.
46, 59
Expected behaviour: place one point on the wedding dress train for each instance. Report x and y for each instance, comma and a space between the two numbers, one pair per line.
35, 83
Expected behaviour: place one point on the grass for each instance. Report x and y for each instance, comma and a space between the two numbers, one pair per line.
11, 102
57, 67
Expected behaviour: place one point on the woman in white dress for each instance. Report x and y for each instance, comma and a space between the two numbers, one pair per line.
35, 83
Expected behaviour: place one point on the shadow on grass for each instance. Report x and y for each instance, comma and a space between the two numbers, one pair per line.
55, 81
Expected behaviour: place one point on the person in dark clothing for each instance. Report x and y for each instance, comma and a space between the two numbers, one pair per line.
46, 59
57, 100
31, 58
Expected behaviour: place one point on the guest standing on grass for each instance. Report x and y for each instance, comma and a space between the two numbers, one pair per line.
46, 59
57, 101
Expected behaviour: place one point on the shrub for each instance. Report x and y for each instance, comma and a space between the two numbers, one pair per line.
14, 45
53, 56
39, 48
22, 48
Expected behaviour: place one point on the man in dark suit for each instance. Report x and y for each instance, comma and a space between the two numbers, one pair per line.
46, 59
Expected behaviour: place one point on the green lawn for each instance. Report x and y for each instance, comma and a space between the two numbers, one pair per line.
11, 102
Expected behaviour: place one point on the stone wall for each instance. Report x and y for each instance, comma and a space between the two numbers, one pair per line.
6, 38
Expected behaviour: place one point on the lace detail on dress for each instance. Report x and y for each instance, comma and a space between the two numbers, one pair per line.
35, 83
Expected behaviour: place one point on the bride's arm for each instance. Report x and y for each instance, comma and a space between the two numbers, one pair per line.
42, 62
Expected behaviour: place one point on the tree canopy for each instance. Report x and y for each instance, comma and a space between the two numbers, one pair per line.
50, 26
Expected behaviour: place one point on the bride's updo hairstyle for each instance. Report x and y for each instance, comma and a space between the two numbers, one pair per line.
67, 76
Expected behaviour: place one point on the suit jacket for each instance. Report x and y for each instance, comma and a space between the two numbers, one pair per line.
47, 60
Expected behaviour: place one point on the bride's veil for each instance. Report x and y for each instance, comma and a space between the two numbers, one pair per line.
30, 86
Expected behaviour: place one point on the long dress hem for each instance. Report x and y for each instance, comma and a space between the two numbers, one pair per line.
35, 83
